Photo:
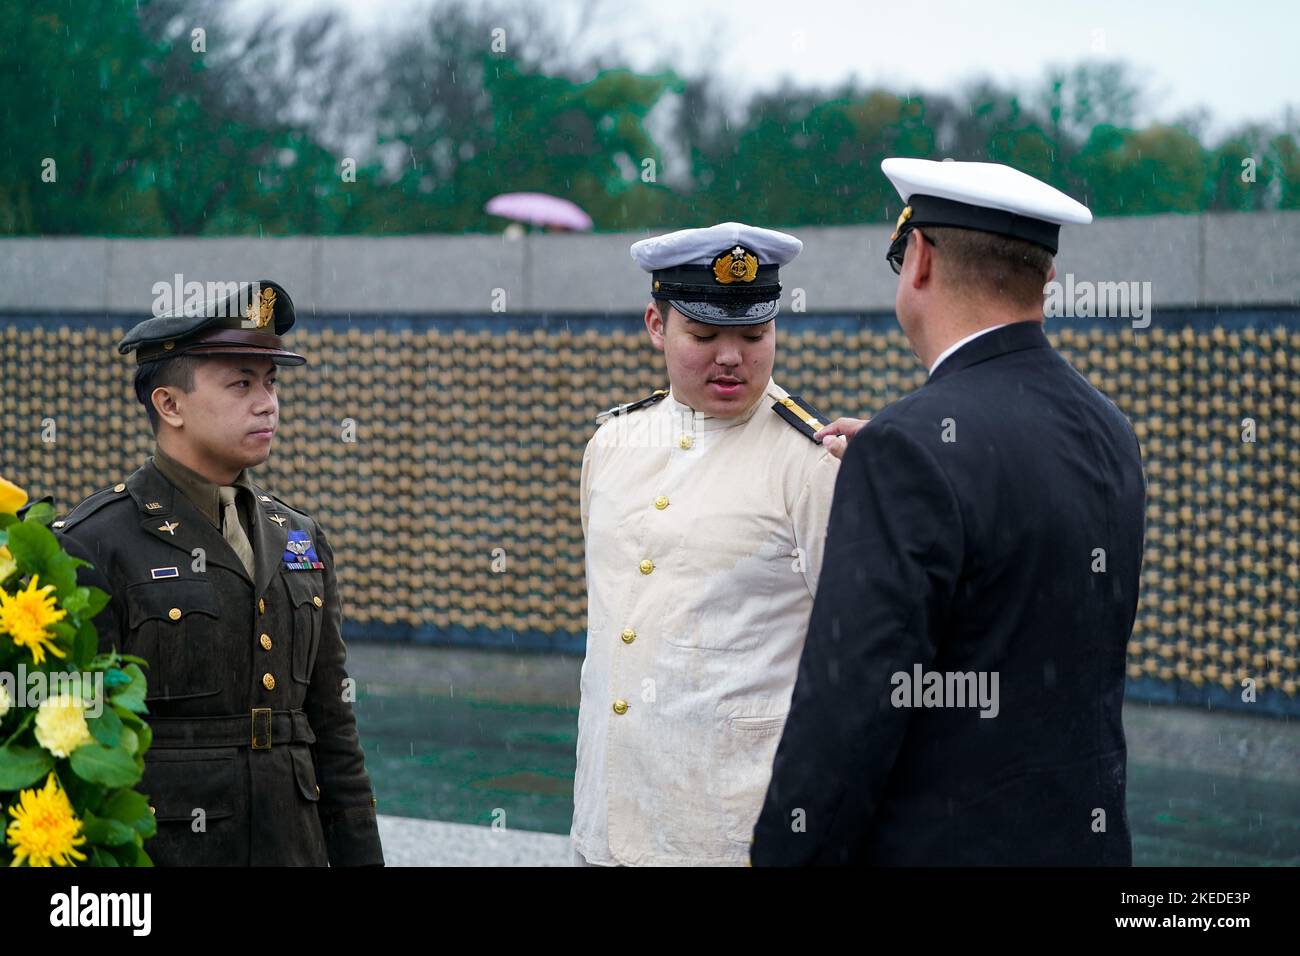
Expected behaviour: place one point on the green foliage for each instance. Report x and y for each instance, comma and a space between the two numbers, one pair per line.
253, 134
98, 777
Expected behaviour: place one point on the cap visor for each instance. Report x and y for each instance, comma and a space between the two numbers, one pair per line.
713, 313
278, 356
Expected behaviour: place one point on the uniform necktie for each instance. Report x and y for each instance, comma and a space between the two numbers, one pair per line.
232, 530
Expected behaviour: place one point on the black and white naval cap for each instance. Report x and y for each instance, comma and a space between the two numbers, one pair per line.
728, 274
988, 197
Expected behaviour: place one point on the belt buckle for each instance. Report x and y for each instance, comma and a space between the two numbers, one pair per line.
261, 737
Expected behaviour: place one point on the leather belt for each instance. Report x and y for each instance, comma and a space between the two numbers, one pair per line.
260, 729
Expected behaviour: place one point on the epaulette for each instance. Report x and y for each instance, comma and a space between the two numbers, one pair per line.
90, 505
800, 414
657, 395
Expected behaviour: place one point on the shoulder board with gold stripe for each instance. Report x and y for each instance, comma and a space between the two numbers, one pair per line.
655, 396
800, 414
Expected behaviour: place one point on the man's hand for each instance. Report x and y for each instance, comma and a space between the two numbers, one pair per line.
835, 436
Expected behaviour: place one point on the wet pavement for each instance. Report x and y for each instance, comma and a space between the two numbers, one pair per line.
486, 739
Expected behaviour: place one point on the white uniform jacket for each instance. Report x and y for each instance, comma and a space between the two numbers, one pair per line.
703, 546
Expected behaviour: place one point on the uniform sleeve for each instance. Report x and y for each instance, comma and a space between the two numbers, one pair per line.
346, 806
892, 559
584, 487
811, 515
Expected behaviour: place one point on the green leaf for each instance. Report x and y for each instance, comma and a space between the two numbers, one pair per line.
33, 547
131, 808
130, 719
23, 724
127, 806
75, 603
130, 740
82, 793
131, 855
115, 677
99, 858
146, 826
107, 727
105, 831
23, 766
132, 696
42, 511
85, 644
60, 571
127, 854
111, 766
96, 600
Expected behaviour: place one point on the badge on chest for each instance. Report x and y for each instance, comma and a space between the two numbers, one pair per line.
300, 553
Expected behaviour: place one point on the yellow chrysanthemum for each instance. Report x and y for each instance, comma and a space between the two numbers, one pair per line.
25, 616
11, 497
45, 831
61, 724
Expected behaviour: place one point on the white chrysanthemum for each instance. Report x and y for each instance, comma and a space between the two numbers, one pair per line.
61, 724
5, 701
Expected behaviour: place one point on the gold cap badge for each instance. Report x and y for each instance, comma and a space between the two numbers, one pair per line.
262, 309
903, 216
737, 265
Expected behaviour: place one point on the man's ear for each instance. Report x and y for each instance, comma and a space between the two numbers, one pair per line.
164, 403
921, 259
654, 323
1051, 274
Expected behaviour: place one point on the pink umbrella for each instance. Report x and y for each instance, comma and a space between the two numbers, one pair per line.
539, 209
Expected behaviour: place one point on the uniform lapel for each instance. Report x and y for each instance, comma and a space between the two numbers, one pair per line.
269, 538
175, 521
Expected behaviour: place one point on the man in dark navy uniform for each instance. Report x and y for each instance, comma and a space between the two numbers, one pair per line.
230, 596
959, 695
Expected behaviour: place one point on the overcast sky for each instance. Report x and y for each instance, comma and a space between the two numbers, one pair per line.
1237, 59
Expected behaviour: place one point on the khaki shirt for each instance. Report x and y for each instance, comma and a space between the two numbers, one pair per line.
205, 495
704, 541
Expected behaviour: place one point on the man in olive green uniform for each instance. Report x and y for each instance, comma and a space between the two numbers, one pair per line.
231, 597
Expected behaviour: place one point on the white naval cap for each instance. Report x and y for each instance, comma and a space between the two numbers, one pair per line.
989, 197
726, 274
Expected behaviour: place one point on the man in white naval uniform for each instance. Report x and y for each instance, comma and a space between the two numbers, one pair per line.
704, 508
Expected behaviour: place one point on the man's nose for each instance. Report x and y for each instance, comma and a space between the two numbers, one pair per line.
728, 354
265, 402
